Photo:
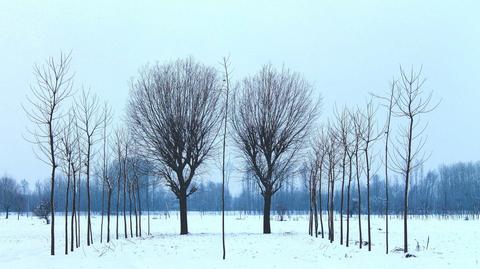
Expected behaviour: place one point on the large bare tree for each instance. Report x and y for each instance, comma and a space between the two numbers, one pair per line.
174, 115
53, 86
412, 102
273, 112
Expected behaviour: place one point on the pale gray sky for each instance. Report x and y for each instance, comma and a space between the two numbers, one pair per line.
345, 48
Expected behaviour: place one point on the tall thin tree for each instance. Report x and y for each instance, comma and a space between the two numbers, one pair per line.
53, 86
226, 80
411, 104
90, 123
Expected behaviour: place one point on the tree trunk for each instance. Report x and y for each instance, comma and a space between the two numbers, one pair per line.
148, 208
310, 208
130, 211
341, 197
89, 223
73, 211
320, 201
79, 207
407, 179
139, 211
103, 209
267, 203
182, 199
108, 213
66, 212
348, 201
368, 201
125, 198
135, 209
118, 198
359, 201
52, 209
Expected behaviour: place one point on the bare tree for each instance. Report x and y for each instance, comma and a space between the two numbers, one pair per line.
389, 100
174, 115
78, 168
315, 169
358, 131
68, 142
320, 153
226, 81
350, 151
24, 185
342, 129
368, 136
42, 210
411, 104
273, 113
53, 86
107, 179
120, 140
9, 190
333, 156
90, 123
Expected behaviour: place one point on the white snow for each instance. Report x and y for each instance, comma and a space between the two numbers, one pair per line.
453, 243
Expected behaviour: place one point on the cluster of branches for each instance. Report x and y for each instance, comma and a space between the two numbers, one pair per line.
345, 151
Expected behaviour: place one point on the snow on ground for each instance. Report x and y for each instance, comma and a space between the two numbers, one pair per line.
453, 243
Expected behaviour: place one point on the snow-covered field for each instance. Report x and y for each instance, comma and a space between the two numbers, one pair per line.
453, 243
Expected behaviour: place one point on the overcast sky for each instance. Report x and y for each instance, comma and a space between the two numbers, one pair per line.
345, 48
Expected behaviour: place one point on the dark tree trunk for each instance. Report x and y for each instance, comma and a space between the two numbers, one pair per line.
315, 210
52, 209
125, 198
72, 223
267, 204
79, 207
66, 212
135, 210
182, 199
341, 198
359, 201
348, 201
130, 211
109, 199
320, 201
89, 223
103, 209
368, 201
407, 181
310, 209
118, 198
139, 210
148, 209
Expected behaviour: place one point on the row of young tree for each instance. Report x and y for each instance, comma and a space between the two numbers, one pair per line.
173, 126
346, 150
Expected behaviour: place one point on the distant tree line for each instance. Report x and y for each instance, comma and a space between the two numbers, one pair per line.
449, 190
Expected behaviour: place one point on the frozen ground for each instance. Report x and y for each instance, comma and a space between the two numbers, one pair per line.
453, 243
